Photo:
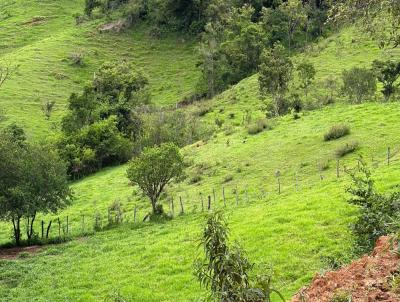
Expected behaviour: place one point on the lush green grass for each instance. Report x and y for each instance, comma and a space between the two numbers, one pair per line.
294, 231
42, 51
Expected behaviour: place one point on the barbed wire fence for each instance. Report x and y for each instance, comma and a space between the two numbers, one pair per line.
63, 227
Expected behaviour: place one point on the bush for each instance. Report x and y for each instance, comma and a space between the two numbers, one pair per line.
347, 149
259, 126
195, 179
337, 131
77, 58
378, 214
359, 84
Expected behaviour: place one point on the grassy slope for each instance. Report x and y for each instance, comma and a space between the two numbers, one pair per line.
45, 73
293, 231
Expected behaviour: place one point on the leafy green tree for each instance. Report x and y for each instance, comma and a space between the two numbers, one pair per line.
275, 74
378, 213
306, 72
231, 49
32, 180
380, 18
358, 84
154, 169
225, 270
6, 72
102, 122
387, 73
95, 146
117, 89
295, 16
244, 40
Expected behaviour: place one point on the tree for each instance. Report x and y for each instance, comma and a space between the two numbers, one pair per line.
331, 84
154, 169
6, 71
306, 72
387, 72
380, 18
378, 213
117, 89
359, 83
275, 73
103, 123
225, 270
32, 180
295, 15
95, 146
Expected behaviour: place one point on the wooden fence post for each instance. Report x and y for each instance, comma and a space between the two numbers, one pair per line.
42, 229
180, 200
48, 229
209, 202
214, 195
223, 196
59, 227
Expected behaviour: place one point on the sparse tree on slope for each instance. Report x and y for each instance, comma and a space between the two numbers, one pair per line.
32, 180
275, 73
154, 169
306, 72
387, 73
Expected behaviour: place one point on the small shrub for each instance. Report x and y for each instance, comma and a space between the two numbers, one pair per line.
323, 165
228, 178
395, 284
115, 213
341, 296
336, 131
219, 122
203, 110
77, 58
259, 126
229, 130
347, 149
195, 179
359, 84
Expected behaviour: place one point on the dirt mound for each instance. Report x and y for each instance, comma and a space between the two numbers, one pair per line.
365, 280
13, 253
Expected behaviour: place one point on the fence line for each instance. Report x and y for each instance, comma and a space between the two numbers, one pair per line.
211, 198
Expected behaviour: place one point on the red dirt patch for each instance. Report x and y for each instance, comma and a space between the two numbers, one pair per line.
365, 279
13, 253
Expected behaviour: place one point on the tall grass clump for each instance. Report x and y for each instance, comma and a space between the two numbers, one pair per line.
336, 131
258, 126
348, 148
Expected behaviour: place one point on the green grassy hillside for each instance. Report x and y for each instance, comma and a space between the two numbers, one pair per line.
39, 36
295, 231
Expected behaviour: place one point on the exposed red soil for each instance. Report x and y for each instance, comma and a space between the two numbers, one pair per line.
13, 253
367, 279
